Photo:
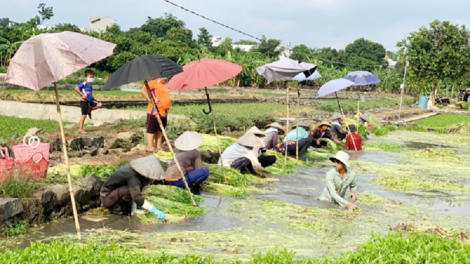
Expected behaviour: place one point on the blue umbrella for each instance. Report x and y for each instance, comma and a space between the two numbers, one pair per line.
333, 86
362, 78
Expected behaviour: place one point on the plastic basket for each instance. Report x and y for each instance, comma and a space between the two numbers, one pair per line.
7, 165
23, 153
35, 168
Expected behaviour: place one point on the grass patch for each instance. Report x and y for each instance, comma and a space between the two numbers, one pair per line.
12, 125
382, 131
18, 187
442, 120
391, 147
437, 154
349, 105
10, 229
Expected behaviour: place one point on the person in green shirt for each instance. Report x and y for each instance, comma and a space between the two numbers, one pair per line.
340, 182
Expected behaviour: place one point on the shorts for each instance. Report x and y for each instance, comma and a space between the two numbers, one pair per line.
152, 123
85, 106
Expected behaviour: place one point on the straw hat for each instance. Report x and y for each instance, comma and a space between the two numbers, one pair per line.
275, 125
335, 116
249, 140
325, 123
257, 132
365, 117
189, 140
149, 167
343, 157
301, 124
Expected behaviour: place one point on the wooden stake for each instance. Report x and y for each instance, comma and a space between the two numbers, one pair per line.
168, 142
287, 126
216, 135
67, 166
344, 116
297, 140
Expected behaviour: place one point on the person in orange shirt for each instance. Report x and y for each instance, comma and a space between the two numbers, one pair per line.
161, 94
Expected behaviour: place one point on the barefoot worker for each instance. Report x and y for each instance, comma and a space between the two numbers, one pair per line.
272, 133
126, 184
240, 155
161, 94
87, 101
190, 162
340, 182
264, 160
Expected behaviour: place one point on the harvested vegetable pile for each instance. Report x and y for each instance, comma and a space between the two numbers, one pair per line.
210, 143
173, 201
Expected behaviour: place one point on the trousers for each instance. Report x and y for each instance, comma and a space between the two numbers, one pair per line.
194, 177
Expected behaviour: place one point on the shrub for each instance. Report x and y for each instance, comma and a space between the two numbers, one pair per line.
18, 187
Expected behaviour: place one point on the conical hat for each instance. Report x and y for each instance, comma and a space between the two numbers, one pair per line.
149, 167
249, 140
325, 123
257, 132
189, 140
365, 117
301, 124
275, 125
335, 116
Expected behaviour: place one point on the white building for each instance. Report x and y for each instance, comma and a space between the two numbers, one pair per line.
391, 63
100, 23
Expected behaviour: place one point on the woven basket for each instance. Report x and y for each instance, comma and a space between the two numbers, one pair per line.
7, 165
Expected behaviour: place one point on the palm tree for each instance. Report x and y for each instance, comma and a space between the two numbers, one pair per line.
7, 50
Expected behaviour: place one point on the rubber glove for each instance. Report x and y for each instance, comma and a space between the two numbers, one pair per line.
159, 214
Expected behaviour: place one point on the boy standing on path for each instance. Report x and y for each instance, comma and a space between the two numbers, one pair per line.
87, 101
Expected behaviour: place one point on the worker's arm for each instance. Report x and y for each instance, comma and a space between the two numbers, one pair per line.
352, 187
134, 188
255, 163
198, 161
332, 190
82, 95
144, 93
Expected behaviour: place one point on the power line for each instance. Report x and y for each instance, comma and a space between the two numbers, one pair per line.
211, 20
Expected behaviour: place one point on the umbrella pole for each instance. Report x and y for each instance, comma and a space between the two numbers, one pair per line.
215, 131
67, 166
287, 125
168, 142
344, 116
358, 111
297, 140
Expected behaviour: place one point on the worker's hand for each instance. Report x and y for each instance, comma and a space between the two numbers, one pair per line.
83, 97
351, 206
353, 196
159, 214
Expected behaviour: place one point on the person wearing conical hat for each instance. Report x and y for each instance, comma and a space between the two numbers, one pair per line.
319, 133
240, 154
190, 162
304, 141
124, 186
272, 133
336, 127
260, 152
340, 182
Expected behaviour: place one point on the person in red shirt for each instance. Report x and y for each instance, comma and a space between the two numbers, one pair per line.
161, 94
353, 137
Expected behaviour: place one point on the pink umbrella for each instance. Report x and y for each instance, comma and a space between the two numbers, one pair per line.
49, 57
202, 73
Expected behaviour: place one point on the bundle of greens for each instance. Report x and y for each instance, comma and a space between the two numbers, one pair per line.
210, 143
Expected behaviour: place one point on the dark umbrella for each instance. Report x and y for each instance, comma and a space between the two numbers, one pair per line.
360, 78
144, 68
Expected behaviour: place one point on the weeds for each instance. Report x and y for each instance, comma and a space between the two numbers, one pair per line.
10, 229
18, 187
19, 126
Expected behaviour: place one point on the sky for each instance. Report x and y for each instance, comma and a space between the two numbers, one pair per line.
315, 23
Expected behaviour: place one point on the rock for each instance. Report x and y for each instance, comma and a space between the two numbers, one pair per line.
33, 131
55, 145
92, 184
118, 121
113, 143
75, 144
139, 147
56, 155
92, 142
9, 207
126, 136
61, 192
67, 210
81, 195
47, 199
103, 151
98, 123
92, 151
31, 211
71, 126
117, 151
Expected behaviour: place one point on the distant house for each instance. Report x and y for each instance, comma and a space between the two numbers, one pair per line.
286, 51
391, 63
243, 47
216, 41
100, 23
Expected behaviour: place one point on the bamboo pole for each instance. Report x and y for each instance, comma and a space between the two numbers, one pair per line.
344, 116
287, 125
67, 165
152, 100
215, 131
297, 129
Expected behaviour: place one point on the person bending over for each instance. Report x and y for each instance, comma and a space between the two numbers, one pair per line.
264, 160
272, 133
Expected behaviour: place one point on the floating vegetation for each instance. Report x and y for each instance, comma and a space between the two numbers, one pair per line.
171, 193
225, 189
432, 154
371, 199
392, 147
461, 128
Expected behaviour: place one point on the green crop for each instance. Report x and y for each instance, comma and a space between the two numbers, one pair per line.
382, 131
171, 193
12, 125
443, 120
385, 147
210, 143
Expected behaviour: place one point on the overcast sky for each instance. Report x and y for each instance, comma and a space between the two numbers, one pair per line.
315, 23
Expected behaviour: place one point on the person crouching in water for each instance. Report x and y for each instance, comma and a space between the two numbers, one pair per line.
304, 141
272, 133
264, 160
240, 155
124, 186
354, 140
190, 162
340, 182
319, 133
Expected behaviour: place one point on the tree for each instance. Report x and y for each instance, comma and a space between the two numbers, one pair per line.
365, 52
440, 53
204, 38
269, 47
45, 13
246, 42
66, 27
4, 22
180, 34
301, 53
160, 26
224, 47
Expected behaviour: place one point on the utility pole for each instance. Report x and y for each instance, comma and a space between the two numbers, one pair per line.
402, 87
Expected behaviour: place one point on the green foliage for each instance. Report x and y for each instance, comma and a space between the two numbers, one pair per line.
234, 177
46, 13
210, 143
175, 208
171, 193
350, 105
268, 47
160, 26
385, 147
11, 229
98, 170
367, 50
442, 120
18, 186
204, 38
382, 131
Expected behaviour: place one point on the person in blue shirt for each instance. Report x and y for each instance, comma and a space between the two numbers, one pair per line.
304, 141
87, 101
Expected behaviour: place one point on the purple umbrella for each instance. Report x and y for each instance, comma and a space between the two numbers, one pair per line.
362, 78
333, 86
